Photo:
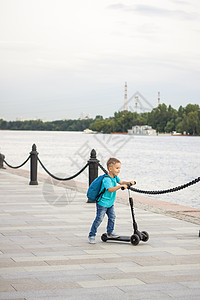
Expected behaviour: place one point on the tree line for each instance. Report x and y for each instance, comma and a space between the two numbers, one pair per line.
162, 118
59, 125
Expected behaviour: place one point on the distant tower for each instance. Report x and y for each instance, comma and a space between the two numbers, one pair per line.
125, 97
158, 98
136, 104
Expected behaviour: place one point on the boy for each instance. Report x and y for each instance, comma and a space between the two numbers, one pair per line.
106, 203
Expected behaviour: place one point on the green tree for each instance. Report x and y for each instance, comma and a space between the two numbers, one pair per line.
170, 126
159, 117
3, 124
181, 111
192, 122
191, 107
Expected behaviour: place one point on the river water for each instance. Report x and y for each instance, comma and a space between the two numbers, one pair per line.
154, 162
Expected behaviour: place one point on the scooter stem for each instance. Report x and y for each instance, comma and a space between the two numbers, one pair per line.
135, 227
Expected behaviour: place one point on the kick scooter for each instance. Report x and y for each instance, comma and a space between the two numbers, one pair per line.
137, 236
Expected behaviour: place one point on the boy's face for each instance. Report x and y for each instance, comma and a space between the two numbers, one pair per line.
115, 169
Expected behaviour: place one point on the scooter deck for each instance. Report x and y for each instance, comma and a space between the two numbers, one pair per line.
123, 238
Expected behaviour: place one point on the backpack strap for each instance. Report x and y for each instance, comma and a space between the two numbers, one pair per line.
103, 191
101, 194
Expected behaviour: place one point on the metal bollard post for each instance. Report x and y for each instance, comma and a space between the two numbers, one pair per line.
33, 166
1, 161
93, 167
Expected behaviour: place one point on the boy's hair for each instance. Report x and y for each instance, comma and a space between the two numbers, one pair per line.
112, 161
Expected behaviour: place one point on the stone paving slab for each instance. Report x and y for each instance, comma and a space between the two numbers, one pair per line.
44, 252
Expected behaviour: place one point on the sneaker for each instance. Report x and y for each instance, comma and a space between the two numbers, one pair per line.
113, 235
91, 239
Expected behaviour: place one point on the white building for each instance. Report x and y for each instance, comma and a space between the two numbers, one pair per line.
142, 130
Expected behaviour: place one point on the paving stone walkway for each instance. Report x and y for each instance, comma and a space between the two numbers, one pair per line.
44, 252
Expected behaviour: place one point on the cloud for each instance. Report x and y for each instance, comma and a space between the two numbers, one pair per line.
150, 10
181, 2
18, 45
117, 6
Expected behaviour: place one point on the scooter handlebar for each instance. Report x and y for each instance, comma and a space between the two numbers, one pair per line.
128, 186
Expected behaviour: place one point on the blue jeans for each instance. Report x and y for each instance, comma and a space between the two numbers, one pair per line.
101, 211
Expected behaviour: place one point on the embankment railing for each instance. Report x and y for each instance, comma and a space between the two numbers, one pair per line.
93, 164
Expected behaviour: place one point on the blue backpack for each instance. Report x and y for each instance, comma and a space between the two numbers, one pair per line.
93, 192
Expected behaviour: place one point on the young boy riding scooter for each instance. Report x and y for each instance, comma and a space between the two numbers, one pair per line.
106, 203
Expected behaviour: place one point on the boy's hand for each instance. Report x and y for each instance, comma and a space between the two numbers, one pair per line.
132, 182
123, 186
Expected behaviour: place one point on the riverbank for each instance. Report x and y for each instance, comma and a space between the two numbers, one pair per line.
181, 212
156, 163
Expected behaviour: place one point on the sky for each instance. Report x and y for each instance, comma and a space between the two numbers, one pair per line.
63, 59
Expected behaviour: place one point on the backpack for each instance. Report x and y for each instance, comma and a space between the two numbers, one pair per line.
94, 189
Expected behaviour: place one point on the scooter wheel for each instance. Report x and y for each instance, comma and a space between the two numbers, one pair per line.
145, 236
135, 239
104, 237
